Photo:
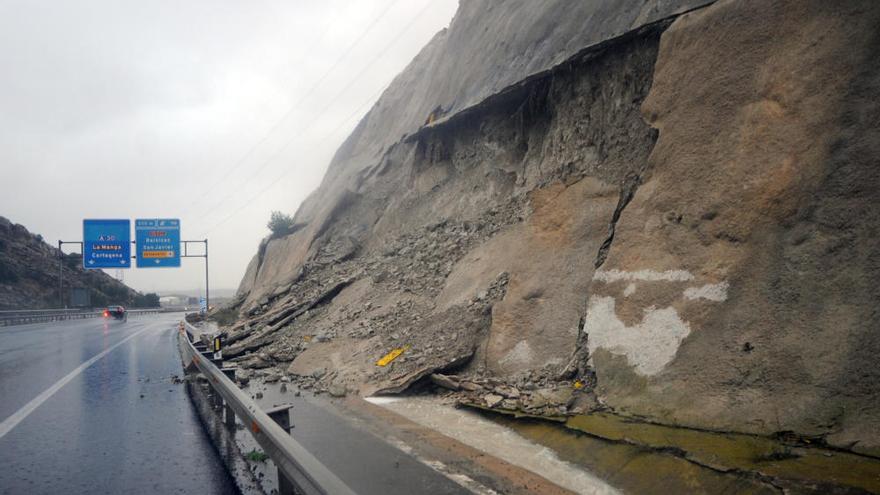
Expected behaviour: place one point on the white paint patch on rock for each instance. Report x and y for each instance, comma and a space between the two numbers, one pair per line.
712, 292
648, 346
615, 275
520, 354
630, 290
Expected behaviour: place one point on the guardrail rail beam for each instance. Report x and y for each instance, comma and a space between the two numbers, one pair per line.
296, 465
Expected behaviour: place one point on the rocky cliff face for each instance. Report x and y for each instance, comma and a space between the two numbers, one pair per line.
744, 271
666, 210
29, 274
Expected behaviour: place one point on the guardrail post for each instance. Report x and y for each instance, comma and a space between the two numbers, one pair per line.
281, 415
216, 399
229, 417
229, 413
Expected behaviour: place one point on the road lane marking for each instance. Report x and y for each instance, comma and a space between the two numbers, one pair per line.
12, 421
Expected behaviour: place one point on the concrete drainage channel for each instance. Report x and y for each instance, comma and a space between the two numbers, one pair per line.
298, 471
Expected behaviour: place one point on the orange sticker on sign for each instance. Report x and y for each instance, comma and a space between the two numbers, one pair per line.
157, 254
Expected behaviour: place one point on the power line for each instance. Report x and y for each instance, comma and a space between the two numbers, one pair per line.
286, 172
324, 109
296, 105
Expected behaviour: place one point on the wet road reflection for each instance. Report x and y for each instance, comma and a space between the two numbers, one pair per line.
119, 426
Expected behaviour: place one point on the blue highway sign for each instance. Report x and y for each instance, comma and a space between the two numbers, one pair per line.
106, 243
158, 242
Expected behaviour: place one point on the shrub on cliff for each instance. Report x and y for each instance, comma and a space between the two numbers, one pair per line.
280, 224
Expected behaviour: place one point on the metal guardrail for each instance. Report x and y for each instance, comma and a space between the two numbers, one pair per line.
306, 473
8, 318
150, 311
22, 317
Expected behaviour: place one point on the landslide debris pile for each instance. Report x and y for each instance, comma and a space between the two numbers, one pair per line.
29, 274
663, 209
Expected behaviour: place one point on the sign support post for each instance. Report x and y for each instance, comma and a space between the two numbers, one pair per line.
60, 276
207, 286
205, 255
61, 269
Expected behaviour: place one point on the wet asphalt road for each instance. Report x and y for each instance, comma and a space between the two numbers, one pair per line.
368, 464
118, 426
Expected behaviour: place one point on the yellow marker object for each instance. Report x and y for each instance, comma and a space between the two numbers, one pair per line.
578, 384
391, 356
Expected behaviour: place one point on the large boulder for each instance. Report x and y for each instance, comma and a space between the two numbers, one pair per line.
740, 291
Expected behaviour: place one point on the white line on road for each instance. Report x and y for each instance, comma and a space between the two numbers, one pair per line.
12, 421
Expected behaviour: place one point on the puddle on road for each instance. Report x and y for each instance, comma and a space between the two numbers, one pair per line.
471, 428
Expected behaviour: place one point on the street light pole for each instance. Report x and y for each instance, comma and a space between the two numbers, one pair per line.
204, 255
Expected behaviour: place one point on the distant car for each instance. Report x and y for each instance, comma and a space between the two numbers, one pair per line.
116, 312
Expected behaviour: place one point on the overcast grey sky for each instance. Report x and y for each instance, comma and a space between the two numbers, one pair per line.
215, 112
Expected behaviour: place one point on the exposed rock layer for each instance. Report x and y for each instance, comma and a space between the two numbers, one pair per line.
490, 47
719, 276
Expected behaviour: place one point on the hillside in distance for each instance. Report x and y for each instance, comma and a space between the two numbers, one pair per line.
29, 271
